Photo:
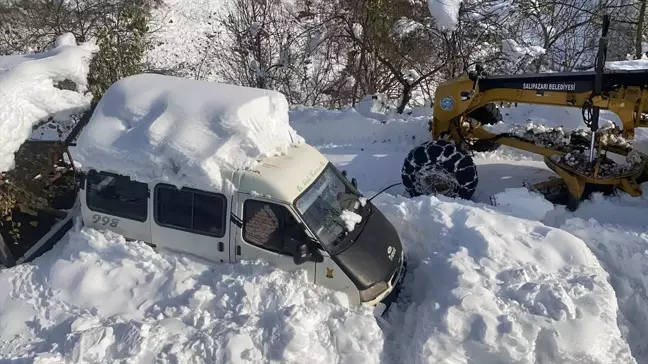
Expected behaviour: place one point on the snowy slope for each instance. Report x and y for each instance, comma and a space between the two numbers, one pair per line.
183, 36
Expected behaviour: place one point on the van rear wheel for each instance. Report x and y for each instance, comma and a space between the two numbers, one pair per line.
439, 167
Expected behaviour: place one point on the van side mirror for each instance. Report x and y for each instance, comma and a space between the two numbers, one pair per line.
304, 251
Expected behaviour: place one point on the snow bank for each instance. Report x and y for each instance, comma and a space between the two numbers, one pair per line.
183, 131
623, 252
322, 126
522, 203
446, 12
28, 92
376, 107
491, 288
619, 210
97, 298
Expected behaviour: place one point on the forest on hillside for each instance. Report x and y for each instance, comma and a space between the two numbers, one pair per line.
335, 53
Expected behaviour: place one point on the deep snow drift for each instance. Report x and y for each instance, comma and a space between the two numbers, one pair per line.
482, 286
486, 284
183, 131
97, 298
492, 288
623, 252
28, 92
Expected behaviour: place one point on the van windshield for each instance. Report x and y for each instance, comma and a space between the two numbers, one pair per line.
322, 204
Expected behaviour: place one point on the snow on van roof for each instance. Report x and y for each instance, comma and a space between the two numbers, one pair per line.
185, 132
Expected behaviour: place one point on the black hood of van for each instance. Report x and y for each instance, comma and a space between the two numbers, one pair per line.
366, 259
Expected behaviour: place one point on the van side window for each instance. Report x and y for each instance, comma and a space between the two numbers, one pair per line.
265, 225
191, 210
117, 195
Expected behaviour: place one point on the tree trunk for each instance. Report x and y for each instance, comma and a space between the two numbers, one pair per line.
638, 36
6, 258
405, 99
357, 76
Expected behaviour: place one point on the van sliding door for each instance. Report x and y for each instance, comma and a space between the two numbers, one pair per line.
191, 221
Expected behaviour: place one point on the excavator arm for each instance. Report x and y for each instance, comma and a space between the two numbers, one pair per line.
624, 93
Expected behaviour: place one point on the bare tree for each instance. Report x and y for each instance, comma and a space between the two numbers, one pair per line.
32, 25
390, 47
567, 30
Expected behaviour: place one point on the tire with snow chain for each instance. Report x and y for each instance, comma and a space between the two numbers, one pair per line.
439, 167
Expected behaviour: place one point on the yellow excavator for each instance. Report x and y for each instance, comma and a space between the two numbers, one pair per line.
585, 160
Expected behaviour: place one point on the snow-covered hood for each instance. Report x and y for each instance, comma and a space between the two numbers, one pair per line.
371, 252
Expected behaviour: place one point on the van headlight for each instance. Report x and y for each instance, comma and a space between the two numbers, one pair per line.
373, 291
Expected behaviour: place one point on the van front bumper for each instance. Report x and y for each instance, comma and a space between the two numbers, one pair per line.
395, 284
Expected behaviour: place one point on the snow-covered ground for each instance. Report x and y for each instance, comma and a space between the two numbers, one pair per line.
98, 298
184, 32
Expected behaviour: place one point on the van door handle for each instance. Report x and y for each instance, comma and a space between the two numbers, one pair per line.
221, 246
238, 250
